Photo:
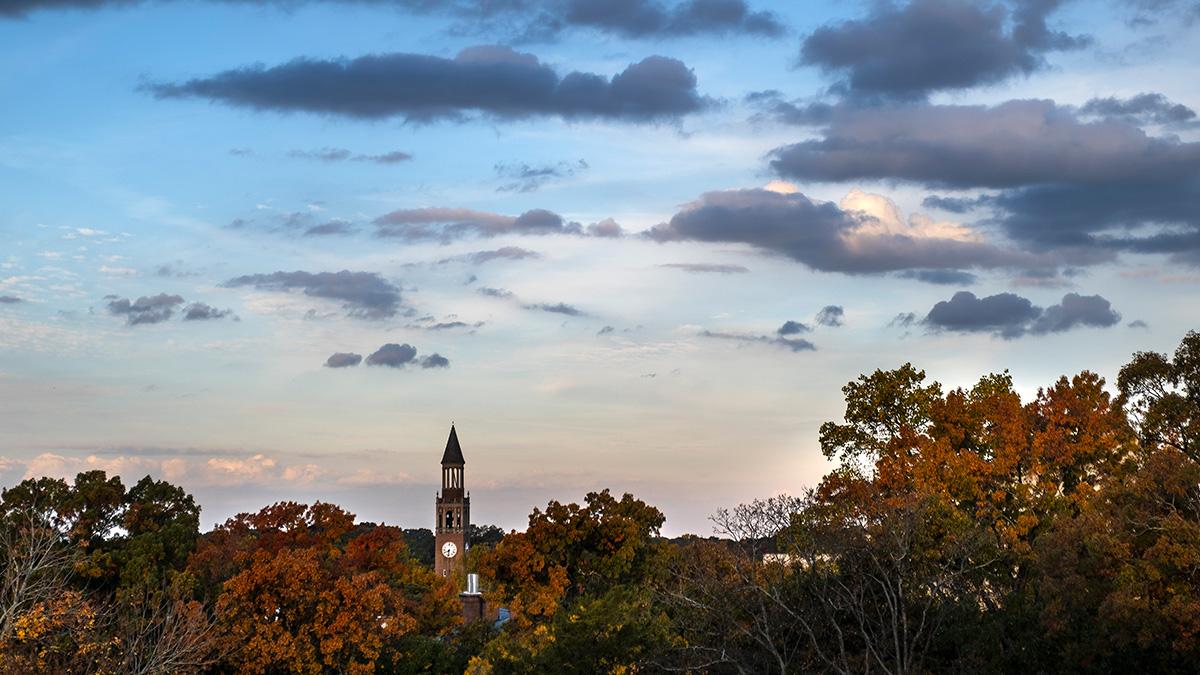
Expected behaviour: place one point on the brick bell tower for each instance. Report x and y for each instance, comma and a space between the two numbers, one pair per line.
453, 508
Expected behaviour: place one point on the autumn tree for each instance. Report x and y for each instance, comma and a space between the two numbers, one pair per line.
577, 585
299, 590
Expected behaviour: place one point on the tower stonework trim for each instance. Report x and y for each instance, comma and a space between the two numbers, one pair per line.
452, 511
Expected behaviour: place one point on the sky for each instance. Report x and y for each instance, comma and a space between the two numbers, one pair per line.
271, 250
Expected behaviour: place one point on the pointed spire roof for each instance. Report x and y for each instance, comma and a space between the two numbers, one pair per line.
453, 454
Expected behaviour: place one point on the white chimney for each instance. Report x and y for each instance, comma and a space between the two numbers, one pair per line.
472, 584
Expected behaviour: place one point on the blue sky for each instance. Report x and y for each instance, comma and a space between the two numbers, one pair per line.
132, 166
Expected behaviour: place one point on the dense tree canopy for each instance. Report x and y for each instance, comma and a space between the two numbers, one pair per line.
960, 530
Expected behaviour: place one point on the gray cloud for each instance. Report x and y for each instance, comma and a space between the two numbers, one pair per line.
606, 330
817, 235
447, 224
950, 204
1010, 316
909, 51
940, 277
363, 294
502, 253
342, 155
648, 18
1145, 108
9, 300
490, 80
435, 360
332, 227
793, 328
556, 308
343, 360
1084, 189
146, 309
529, 178
791, 344
198, 311
903, 320
1012, 144
831, 316
713, 268
1137, 323
1005, 314
393, 355
528, 19
1076, 310
608, 228
495, 292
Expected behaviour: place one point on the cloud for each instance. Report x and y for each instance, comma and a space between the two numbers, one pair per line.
343, 360
605, 228
529, 178
342, 155
1005, 314
649, 18
951, 204
1076, 310
494, 81
907, 52
1084, 189
146, 309
862, 236
1010, 316
531, 19
502, 253
1137, 323
1145, 108
447, 224
495, 292
198, 311
903, 320
793, 328
322, 155
393, 355
940, 277
556, 308
332, 227
714, 268
435, 361
791, 344
606, 330
9, 300
363, 294
831, 316
1016, 143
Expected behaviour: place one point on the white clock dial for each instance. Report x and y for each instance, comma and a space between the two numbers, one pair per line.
449, 549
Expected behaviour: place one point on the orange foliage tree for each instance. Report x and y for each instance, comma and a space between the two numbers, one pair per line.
301, 589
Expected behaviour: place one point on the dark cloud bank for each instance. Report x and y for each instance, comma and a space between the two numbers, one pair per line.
528, 20
1085, 188
908, 51
490, 80
821, 235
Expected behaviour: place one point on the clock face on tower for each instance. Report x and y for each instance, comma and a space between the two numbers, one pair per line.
449, 549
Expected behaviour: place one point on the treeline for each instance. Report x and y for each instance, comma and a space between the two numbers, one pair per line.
963, 531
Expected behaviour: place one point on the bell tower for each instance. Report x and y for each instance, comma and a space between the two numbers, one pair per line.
453, 511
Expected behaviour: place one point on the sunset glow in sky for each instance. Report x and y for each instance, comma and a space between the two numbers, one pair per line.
272, 249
